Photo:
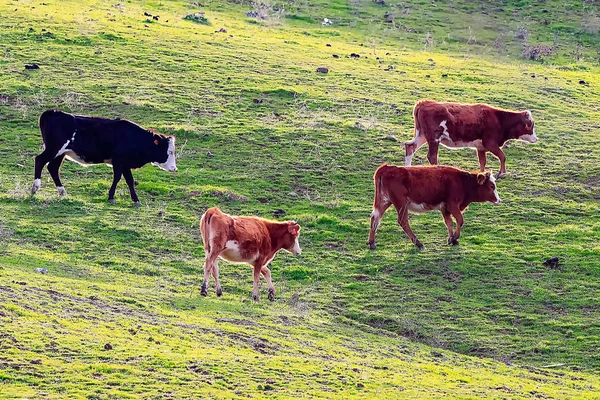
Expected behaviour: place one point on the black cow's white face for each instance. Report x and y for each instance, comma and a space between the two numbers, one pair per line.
164, 151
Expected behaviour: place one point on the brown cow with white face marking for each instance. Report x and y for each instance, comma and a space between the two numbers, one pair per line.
248, 240
421, 189
476, 126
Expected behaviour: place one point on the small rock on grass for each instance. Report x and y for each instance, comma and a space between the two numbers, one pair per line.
42, 270
392, 138
108, 346
323, 70
551, 262
32, 66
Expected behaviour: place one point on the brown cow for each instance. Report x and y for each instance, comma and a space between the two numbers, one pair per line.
249, 240
476, 126
421, 189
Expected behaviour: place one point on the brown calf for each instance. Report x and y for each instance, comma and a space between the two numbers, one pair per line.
249, 240
476, 126
421, 189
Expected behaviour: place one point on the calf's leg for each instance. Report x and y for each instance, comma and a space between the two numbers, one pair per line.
267, 274
54, 168
497, 151
257, 269
376, 216
403, 221
209, 263
482, 160
412, 146
450, 224
131, 184
432, 152
459, 223
215, 274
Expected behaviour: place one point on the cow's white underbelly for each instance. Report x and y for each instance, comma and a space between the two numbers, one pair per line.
475, 144
72, 156
419, 208
232, 253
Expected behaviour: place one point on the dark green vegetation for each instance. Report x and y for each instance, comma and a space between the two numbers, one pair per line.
347, 321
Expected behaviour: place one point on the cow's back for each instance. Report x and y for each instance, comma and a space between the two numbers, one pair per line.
422, 184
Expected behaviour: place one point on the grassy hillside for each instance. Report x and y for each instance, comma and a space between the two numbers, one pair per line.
484, 319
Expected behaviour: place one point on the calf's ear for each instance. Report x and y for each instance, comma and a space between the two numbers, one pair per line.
293, 228
481, 177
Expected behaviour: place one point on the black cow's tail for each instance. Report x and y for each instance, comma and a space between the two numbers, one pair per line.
44, 122
57, 124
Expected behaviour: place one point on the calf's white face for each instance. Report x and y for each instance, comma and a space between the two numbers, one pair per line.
529, 138
296, 249
529, 133
290, 239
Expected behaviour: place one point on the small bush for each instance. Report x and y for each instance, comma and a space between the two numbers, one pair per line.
266, 10
591, 24
198, 17
537, 51
522, 33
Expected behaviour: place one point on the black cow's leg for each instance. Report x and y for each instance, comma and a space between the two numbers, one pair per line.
54, 168
117, 172
129, 179
44, 158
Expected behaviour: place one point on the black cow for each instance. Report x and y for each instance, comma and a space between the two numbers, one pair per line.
92, 140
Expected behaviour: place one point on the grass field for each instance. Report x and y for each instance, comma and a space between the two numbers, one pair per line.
485, 319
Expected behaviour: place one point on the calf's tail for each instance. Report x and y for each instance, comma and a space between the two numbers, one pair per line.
416, 118
380, 204
205, 228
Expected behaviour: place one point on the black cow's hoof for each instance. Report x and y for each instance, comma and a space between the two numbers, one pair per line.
203, 293
271, 294
372, 245
500, 175
219, 292
137, 204
112, 201
255, 297
419, 244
